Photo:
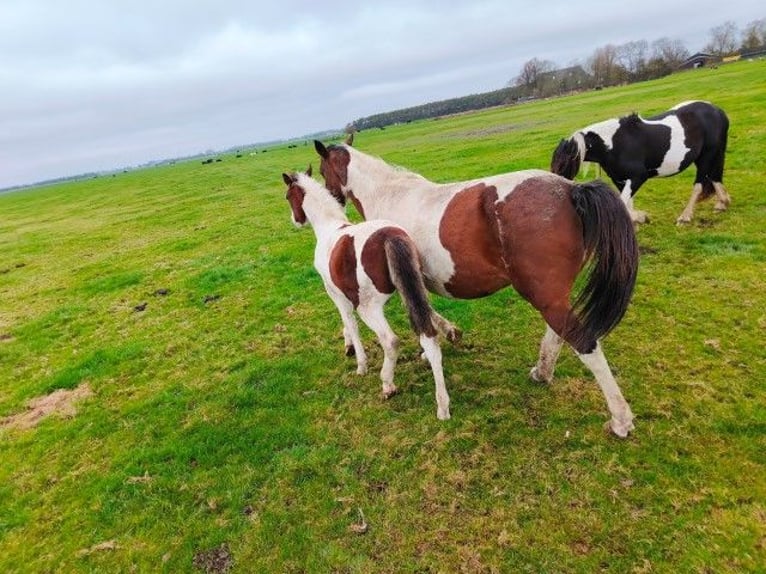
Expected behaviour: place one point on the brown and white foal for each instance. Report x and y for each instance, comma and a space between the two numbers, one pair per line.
361, 266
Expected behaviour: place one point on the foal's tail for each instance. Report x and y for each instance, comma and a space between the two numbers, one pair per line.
404, 266
612, 249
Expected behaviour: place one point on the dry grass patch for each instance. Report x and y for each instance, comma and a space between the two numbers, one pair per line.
59, 402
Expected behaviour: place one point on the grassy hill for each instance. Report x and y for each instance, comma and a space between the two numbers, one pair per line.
220, 428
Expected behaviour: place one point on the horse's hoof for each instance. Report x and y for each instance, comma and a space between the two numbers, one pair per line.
619, 428
361, 370
442, 415
454, 335
535, 375
683, 220
639, 217
389, 392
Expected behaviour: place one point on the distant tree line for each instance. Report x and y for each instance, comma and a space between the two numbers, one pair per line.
608, 66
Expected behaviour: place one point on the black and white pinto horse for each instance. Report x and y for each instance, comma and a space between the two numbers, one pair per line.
632, 149
361, 266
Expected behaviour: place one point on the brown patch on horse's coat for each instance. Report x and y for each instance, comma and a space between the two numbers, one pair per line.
343, 269
544, 270
374, 259
468, 230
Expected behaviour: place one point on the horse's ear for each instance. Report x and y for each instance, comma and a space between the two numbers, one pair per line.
287, 179
321, 150
308, 171
350, 139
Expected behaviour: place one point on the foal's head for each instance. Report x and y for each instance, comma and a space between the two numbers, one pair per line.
566, 159
334, 168
295, 196
324, 203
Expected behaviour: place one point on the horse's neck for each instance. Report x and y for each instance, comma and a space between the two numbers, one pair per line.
323, 212
380, 187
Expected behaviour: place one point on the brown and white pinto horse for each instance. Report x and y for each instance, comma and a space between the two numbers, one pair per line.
361, 266
530, 229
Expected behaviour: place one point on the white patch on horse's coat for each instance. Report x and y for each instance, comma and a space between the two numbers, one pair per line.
605, 130
671, 163
686, 103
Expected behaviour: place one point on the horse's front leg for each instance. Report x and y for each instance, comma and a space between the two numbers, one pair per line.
688, 212
630, 188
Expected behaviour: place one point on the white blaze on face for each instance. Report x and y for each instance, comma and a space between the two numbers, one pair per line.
671, 163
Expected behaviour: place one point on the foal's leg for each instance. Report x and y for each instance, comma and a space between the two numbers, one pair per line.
350, 331
433, 353
372, 315
550, 347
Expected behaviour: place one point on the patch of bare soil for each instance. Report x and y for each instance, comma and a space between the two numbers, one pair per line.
59, 402
215, 561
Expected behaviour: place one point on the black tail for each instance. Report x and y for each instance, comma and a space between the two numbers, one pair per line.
404, 266
612, 249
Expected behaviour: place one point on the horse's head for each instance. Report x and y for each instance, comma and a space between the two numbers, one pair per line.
566, 159
334, 168
295, 196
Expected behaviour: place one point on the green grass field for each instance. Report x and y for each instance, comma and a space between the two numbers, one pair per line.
226, 432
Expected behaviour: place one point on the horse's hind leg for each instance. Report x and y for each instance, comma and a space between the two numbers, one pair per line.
622, 417
561, 317
374, 318
351, 337
550, 346
451, 332
433, 353
723, 199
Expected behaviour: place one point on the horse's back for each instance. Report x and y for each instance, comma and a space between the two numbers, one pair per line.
710, 121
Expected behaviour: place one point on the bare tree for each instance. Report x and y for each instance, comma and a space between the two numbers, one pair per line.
632, 56
754, 34
531, 72
672, 52
605, 66
723, 39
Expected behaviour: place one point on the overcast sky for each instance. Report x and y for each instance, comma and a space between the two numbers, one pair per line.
104, 84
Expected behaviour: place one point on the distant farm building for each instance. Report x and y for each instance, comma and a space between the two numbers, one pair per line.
699, 60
